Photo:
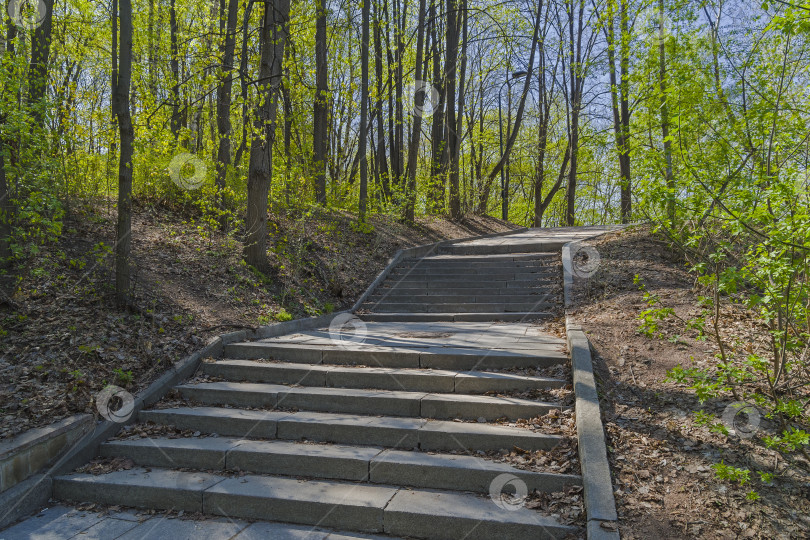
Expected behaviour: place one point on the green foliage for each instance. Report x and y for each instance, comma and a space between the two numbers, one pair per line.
731, 474
124, 378
283, 315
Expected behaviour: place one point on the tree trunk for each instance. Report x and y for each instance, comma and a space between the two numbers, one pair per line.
38, 67
260, 172
435, 199
416, 128
382, 160
122, 74
576, 76
321, 110
452, 135
176, 119
243, 81
361, 150
224, 109
662, 80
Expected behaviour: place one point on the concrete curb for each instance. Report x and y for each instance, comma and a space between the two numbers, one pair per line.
600, 503
421, 251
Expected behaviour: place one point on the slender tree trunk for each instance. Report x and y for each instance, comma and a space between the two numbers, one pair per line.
243, 80
576, 76
662, 80
624, 109
436, 191
320, 142
452, 135
122, 74
416, 128
6, 207
176, 119
260, 173
362, 152
224, 109
382, 160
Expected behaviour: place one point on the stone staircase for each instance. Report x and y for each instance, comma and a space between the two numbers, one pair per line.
386, 430
448, 287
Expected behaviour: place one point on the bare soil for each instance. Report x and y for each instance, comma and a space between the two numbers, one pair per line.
62, 339
660, 458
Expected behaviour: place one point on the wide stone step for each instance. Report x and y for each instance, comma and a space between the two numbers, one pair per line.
333, 462
503, 249
387, 306
415, 380
483, 283
499, 273
358, 401
526, 292
446, 258
387, 431
350, 506
550, 299
544, 355
455, 317
531, 280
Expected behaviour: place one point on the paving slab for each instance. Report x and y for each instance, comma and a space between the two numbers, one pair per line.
222, 421
139, 487
185, 529
352, 429
456, 472
196, 452
465, 436
268, 372
299, 459
453, 516
54, 523
326, 504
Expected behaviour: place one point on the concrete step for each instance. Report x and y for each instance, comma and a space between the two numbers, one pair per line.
369, 402
482, 279
387, 306
349, 506
499, 273
446, 258
544, 355
333, 462
457, 317
414, 380
527, 292
549, 246
467, 284
461, 298
390, 432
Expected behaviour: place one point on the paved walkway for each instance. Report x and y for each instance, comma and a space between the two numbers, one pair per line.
380, 425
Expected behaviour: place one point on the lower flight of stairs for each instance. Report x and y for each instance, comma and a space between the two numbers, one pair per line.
383, 440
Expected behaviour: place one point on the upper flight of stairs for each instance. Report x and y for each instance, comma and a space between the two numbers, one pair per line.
450, 287
381, 437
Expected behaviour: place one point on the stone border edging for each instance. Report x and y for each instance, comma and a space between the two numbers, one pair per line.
421, 251
600, 503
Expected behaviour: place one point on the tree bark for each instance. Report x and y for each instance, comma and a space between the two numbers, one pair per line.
176, 119
320, 135
662, 81
452, 135
363, 199
260, 172
382, 160
224, 109
416, 128
436, 189
38, 67
122, 74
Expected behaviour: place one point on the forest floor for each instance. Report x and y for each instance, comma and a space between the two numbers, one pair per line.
63, 339
660, 457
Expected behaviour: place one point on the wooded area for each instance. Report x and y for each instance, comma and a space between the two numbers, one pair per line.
546, 113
